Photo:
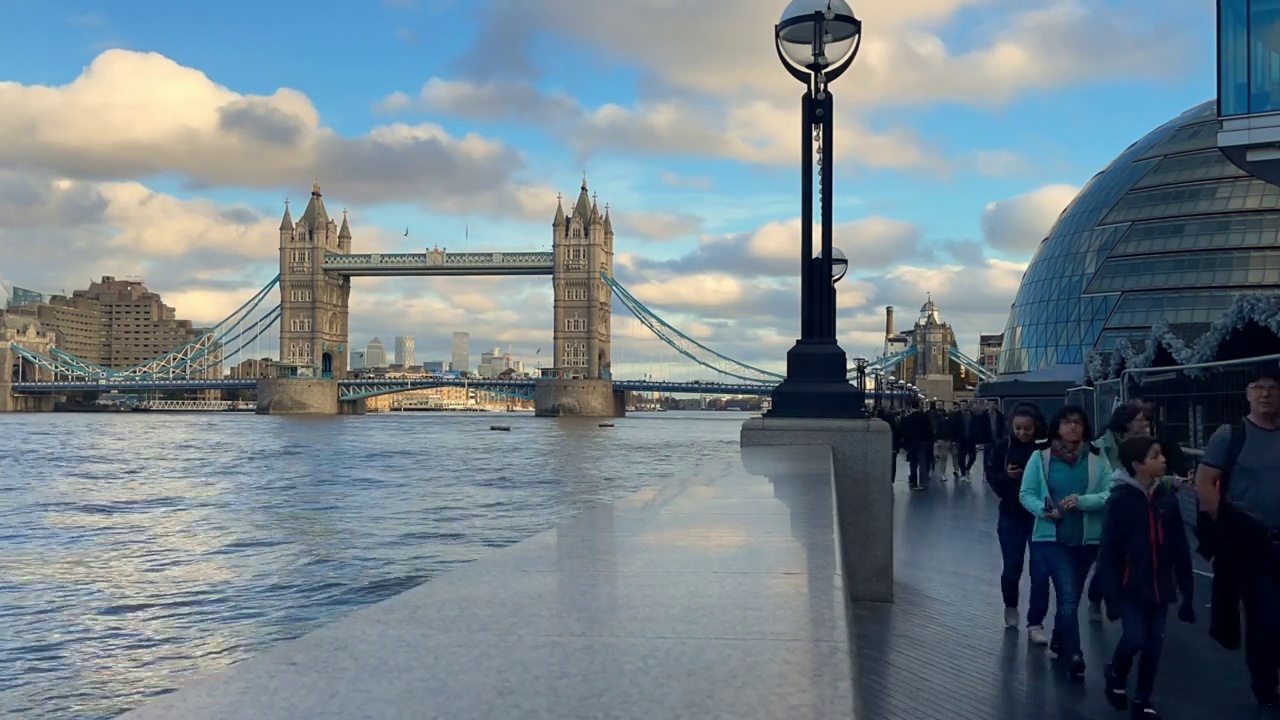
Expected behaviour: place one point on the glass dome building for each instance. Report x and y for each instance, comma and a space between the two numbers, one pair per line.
1170, 229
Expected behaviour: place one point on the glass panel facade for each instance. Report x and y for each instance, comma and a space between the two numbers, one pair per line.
1264, 56
1142, 310
1188, 270
1169, 230
1192, 167
1233, 57
1252, 230
1198, 199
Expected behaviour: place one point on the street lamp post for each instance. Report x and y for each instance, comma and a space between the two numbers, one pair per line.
817, 40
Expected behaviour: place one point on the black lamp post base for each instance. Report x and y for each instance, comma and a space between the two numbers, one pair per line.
816, 384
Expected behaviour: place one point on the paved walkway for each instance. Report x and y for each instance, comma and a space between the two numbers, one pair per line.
939, 652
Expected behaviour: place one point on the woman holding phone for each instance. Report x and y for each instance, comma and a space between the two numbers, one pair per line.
1004, 466
1066, 485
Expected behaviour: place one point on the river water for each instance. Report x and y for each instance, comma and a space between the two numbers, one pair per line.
137, 549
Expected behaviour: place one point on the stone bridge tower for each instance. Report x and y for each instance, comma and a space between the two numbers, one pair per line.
313, 303
583, 247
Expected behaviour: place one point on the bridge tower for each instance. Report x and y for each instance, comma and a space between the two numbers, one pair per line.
313, 303
583, 247
580, 383
313, 316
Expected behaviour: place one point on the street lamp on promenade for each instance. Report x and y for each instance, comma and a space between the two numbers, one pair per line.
817, 40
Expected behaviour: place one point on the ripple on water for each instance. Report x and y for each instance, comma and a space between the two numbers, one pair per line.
127, 565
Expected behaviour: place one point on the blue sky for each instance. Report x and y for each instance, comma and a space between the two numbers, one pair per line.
963, 128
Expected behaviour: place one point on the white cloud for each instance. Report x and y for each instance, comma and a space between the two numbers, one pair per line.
655, 225
133, 115
1017, 225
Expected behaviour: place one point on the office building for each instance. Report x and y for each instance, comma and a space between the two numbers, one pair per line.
989, 351
435, 367
461, 351
357, 361
114, 323
375, 354
406, 357
22, 297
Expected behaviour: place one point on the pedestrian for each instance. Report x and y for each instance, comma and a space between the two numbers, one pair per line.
1065, 486
996, 427
917, 438
1144, 565
1126, 421
966, 429
942, 440
1239, 531
1004, 467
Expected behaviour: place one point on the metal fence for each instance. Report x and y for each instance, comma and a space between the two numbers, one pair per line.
1194, 400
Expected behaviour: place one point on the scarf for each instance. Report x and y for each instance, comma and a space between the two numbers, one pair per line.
1065, 454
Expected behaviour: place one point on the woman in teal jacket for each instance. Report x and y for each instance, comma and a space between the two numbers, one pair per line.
1065, 486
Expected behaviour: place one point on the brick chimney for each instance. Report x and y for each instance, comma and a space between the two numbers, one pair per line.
888, 321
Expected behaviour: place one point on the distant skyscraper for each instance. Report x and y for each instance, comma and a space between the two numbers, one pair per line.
405, 354
357, 360
375, 355
461, 351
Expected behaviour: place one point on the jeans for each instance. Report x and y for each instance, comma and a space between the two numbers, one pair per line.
920, 458
942, 450
966, 452
1014, 532
1068, 567
1144, 637
1261, 596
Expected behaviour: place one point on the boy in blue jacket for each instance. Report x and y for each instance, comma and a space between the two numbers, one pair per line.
1145, 563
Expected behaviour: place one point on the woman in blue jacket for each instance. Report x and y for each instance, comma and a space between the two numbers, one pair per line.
1065, 486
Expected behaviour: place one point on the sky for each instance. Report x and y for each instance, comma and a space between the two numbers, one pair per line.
160, 140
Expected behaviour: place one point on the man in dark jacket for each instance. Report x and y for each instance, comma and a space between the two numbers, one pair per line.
917, 438
1239, 530
967, 430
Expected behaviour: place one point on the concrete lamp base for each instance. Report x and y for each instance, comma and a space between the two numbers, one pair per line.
862, 451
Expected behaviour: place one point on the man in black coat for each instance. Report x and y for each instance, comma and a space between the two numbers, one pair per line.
918, 437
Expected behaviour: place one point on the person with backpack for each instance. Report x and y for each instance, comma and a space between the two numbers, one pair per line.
1004, 466
1144, 565
1238, 527
1126, 421
1065, 486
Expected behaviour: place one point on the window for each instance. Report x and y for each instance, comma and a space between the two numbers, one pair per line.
303, 295
575, 355
575, 293
577, 253
300, 257
575, 325
1233, 57
300, 324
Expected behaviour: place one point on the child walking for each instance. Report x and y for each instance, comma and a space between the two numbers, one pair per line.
1145, 564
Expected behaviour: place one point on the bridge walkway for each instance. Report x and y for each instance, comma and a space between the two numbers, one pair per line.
939, 652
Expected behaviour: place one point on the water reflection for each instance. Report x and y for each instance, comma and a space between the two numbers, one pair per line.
137, 549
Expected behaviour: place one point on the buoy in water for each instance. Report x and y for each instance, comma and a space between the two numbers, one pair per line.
506, 428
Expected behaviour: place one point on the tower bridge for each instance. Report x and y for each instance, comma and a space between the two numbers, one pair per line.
317, 264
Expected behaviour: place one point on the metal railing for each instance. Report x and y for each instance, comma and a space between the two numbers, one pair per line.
1194, 400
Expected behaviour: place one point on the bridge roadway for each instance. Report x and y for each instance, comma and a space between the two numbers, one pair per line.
352, 389
717, 595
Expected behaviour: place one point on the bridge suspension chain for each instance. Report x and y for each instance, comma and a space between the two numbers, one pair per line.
686, 345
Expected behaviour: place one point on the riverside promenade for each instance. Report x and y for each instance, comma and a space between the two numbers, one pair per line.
715, 596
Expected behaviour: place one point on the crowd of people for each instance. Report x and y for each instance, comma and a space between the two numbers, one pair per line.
1075, 502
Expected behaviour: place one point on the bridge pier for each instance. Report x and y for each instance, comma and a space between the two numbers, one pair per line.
297, 396
353, 407
24, 403
578, 398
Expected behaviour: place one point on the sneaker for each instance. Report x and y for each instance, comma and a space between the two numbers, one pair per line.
1116, 692
1140, 710
1077, 666
1011, 619
1036, 635
1055, 644
1095, 612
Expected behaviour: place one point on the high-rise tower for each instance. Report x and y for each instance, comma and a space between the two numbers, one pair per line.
583, 245
313, 304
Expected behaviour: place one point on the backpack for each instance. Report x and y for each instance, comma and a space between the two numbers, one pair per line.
1206, 530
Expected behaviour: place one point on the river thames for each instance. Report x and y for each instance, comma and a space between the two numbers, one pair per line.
139, 548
